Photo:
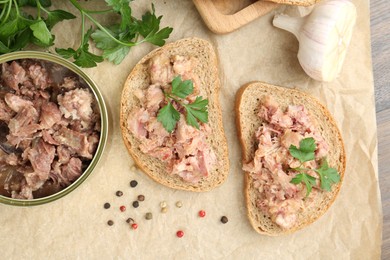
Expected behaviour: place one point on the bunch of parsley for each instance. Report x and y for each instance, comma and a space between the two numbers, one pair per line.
18, 29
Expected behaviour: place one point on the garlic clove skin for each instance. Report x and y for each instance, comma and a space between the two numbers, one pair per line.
324, 37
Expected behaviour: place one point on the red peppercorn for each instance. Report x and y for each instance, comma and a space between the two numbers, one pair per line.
122, 208
202, 213
134, 226
179, 233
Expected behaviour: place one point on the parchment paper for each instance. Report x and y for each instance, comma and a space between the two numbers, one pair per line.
74, 227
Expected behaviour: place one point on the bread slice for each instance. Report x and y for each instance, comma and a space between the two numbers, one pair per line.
207, 70
247, 106
295, 2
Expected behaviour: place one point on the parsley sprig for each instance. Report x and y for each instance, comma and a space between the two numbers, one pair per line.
18, 29
305, 153
197, 110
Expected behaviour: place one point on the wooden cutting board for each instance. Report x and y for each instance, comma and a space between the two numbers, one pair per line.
224, 16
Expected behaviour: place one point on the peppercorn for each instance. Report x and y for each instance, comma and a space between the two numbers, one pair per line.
141, 197
107, 205
135, 204
179, 233
110, 222
130, 220
202, 213
134, 226
224, 219
119, 193
122, 208
148, 216
179, 204
133, 183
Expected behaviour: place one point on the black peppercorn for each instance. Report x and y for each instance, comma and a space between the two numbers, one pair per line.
135, 204
141, 197
107, 205
110, 222
224, 220
119, 193
133, 183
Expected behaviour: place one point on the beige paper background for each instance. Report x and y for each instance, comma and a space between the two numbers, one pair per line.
74, 227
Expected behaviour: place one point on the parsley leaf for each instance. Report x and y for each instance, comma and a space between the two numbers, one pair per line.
195, 111
112, 50
66, 53
159, 37
181, 88
307, 179
122, 7
56, 16
328, 176
3, 48
42, 33
168, 116
149, 24
306, 149
305, 153
82, 56
149, 28
103, 40
87, 59
116, 54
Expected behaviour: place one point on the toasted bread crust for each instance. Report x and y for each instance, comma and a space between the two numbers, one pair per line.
247, 101
207, 71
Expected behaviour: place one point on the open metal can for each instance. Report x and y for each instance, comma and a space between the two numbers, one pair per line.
87, 83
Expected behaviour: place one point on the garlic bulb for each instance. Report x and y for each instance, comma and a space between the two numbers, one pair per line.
324, 36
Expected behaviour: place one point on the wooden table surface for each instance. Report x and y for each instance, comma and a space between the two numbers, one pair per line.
380, 42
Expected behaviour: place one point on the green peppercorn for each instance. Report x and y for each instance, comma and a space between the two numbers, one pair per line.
148, 216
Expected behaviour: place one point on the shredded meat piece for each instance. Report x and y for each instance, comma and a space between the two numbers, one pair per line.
6, 113
78, 142
77, 104
70, 83
17, 103
270, 166
48, 138
13, 75
161, 71
23, 125
39, 76
41, 157
64, 154
71, 171
50, 114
